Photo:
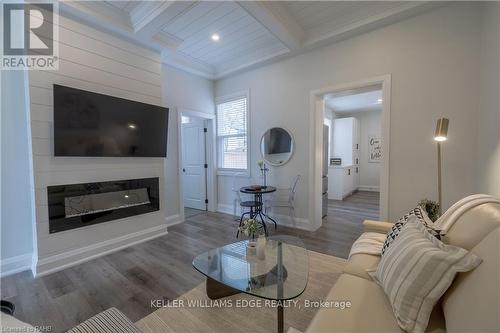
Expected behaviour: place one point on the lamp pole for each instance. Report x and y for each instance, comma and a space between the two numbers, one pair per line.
440, 136
440, 194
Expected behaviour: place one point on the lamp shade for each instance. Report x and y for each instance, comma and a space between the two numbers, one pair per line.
441, 129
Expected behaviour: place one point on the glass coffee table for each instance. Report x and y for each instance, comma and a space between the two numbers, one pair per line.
280, 275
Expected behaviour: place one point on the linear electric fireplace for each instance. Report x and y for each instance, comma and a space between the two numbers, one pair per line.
78, 205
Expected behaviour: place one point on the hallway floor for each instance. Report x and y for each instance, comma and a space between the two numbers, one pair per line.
344, 222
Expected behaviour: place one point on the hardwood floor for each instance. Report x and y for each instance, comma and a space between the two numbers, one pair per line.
129, 279
189, 212
344, 222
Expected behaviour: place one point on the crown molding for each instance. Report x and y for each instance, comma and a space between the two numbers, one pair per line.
144, 26
187, 64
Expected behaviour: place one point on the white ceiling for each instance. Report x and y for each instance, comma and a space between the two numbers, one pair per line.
251, 32
355, 101
126, 6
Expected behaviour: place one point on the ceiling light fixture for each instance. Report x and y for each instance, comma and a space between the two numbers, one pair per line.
215, 37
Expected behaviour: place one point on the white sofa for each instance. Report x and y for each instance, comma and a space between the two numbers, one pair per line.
471, 304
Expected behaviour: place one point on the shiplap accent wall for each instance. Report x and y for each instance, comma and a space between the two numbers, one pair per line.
98, 62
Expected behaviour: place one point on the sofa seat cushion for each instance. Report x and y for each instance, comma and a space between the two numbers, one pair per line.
359, 263
370, 310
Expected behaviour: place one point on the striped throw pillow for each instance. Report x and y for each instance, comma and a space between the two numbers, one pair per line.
415, 272
421, 214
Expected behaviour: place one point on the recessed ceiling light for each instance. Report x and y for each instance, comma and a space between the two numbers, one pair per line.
215, 37
132, 126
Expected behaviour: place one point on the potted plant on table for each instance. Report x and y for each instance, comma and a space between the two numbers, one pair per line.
251, 228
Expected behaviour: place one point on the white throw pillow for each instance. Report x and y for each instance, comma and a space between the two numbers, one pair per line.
415, 272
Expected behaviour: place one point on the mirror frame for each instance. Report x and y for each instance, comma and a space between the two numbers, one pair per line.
292, 152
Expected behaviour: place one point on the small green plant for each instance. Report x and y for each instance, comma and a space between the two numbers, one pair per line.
431, 207
251, 227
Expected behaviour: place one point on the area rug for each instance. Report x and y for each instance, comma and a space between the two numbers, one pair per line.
195, 312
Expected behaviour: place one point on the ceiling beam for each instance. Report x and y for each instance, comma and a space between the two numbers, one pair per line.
93, 11
280, 24
146, 11
151, 16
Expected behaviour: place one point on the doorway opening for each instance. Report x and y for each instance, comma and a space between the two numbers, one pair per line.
354, 121
196, 183
340, 148
320, 155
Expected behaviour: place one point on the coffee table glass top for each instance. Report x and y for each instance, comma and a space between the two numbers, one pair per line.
282, 273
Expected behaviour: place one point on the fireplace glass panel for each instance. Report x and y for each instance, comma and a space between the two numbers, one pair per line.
102, 202
78, 205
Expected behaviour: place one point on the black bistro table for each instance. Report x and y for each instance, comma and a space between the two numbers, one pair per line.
257, 204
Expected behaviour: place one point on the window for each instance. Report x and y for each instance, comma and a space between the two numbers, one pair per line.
232, 134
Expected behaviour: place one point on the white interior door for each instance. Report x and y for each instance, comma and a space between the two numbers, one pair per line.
193, 160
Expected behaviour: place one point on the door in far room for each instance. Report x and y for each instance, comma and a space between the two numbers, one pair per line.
194, 165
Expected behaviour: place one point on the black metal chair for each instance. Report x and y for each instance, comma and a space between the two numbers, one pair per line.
255, 210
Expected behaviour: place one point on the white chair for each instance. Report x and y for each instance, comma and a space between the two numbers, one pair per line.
284, 198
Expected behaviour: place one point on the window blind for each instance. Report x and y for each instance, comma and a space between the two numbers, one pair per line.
232, 140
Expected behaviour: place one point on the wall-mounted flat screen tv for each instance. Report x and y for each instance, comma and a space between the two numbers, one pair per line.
92, 124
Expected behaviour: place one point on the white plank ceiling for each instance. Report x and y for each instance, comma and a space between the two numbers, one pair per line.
251, 32
126, 6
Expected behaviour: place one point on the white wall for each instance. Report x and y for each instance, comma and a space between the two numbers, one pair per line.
489, 115
16, 227
370, 125
95, 61
181, 90
434, 62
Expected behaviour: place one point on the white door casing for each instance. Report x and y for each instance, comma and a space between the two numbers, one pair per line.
316, 120
194, 162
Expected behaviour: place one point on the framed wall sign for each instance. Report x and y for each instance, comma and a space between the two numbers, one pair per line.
374, 149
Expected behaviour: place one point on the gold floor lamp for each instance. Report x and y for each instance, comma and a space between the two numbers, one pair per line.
440, 136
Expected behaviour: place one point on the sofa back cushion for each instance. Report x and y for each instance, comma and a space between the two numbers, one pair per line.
472, 304
474, 225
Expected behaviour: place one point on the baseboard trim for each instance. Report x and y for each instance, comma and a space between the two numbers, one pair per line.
173, 220
297, 223
226, 209
15, 264
71, 258
369, 188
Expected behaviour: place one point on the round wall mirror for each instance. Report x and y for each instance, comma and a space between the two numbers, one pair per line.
276, 146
